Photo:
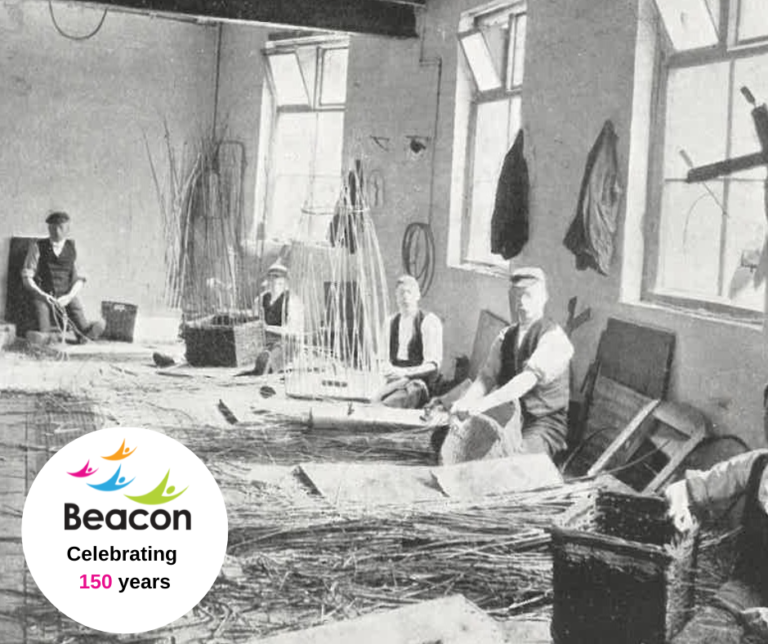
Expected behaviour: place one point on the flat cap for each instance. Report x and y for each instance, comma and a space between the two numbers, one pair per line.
527, 276
278, 268
408, 281
57, 218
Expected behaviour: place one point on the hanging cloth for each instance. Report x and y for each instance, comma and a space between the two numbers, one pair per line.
509, 224
591, 234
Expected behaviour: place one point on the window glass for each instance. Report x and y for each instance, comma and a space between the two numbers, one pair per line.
480, 61
753, 19
688, 116
516, 65
334, 85
288, 80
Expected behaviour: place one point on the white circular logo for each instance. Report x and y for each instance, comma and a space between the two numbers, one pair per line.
124, 530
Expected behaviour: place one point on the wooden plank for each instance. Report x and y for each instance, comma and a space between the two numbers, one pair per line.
377, 17
637, 356
371, 484
526, 631
449, 620
516, 473
729, 166
323, 415
489, 325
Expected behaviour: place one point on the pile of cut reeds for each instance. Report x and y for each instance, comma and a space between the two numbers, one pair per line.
281, 441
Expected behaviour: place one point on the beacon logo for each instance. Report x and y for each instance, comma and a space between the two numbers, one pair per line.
160, 494
124, 530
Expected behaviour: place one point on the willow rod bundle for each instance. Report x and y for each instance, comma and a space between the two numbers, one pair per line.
200, 202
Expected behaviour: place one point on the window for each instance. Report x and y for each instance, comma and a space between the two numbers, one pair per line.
706, 245
306, 85
491, 67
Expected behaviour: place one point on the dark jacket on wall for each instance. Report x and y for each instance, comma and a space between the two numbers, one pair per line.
509, 224
591, 233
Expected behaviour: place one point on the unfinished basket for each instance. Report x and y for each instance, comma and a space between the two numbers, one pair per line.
621, 572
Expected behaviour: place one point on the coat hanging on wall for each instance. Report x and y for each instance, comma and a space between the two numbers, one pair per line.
591, 234
509, 224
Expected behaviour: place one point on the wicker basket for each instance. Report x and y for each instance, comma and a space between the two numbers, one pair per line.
621, 573
120, 320
223, 345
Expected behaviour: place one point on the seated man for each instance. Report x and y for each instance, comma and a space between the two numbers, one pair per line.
413, 340
52, 276
281, 315
739, 609
527, 364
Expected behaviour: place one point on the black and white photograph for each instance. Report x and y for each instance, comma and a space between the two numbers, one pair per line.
459, 306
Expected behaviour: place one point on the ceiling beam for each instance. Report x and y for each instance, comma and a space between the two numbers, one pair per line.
378, 17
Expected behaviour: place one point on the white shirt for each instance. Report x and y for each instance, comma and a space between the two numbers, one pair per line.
714, 489
550, 358
431, 337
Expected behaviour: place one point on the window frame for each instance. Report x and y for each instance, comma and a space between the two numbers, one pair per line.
513, 10
314, 105
728, 50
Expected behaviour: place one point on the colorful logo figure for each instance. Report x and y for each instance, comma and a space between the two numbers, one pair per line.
120, 454
115, 483
155, 497
86, 471
158, 496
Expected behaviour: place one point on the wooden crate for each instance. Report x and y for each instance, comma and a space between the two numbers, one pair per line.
621, 573
212, 344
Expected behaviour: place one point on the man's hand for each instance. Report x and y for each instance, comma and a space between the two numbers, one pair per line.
679, 505
394, 373
64, 300
756, 621
462, 409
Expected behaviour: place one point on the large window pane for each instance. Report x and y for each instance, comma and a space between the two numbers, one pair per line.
697, 103
753, 19
689, 253
292, 162
334, 83
288, 80
327, 170
496, 126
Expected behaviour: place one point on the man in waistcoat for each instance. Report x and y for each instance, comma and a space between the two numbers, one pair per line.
738, 611
52, 275
281, 315
413, 342
527, 365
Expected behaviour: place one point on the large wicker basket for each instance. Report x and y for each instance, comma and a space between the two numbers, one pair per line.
220, 341
621, 573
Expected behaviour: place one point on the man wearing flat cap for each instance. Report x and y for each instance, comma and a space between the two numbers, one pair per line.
527, 365
281, 315
413, 350
52, 276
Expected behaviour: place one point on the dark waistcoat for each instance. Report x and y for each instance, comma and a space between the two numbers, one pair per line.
55, 274
543, 399
415, 346
752, 559
273, 311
